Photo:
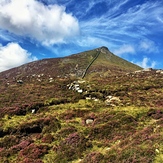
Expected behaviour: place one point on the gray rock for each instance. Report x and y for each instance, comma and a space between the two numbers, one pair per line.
33, 111
89, 121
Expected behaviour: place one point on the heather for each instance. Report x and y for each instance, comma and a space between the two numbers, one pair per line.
118, 116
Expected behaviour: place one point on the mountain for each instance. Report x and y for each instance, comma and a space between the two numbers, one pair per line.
88, 107
73, 65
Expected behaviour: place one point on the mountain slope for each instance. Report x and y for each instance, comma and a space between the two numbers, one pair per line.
36, 81
85, 108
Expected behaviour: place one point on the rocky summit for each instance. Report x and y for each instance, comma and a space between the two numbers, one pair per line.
90, 107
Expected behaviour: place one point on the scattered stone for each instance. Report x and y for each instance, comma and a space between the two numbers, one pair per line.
75, 86
80, 91
109, 97
108, 148
81, 81
158, 71
88, 98
89, 121
112, 101
157, 151
33, 111
96, 99
115, 99
128, 74
39, 80
51, 80
148, 69
139, 71
20, 81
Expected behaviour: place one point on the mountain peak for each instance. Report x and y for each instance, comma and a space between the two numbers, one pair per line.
103, 49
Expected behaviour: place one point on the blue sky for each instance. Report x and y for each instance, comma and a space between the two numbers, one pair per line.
37, 29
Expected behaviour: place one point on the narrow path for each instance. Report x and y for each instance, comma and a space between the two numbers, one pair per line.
98, 53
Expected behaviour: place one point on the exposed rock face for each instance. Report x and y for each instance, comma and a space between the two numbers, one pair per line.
104, 49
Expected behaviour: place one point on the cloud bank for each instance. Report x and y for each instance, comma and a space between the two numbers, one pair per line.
48, 24
13, 55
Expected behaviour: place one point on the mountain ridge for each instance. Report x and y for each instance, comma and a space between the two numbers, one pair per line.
75, 62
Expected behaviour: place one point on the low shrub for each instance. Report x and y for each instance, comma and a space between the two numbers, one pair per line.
29, 160
70, 114
52, 125
13, 111
48, 138
32, 152
64, 132
72, 147
9, 141
94, 157
23, 144
55, 101
47, 124
155, 114
110, 126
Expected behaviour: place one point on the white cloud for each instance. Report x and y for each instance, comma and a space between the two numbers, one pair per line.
148, 46
160, 19
47, 24
124, 22
13, 55
92, 41
125, 49
146, 63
